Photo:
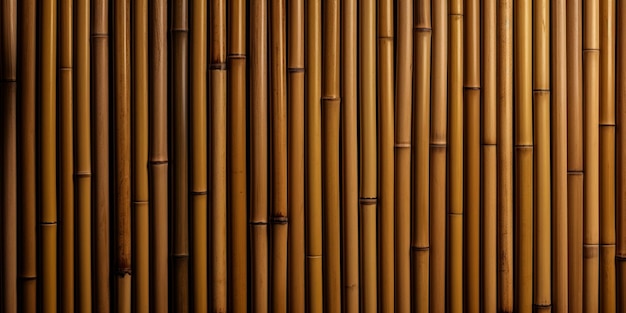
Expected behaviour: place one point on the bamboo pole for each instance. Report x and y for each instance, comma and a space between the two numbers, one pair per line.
140, 132
620, 156
420, 236
26, 176
331, 202
349, 159
258, 156
157, 155
367, 156
48, 138
575, 252
179, 31
100, 115
278, 158
8, 191
198, 151
524, 235
471, 96
238, 289
438, 147
122, 160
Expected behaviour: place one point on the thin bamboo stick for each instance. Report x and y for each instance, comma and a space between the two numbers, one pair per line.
140, 132
420, 235
26, 176
180, 215
157, 155
620, 156
367, 156
48, 138
575, 239
438, 147
258, 156
122, 148
238, 289
349, 160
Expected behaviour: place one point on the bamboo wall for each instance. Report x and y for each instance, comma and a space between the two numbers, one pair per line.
312, 156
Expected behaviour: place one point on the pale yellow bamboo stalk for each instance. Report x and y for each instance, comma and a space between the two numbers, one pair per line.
420, 236
438, 147
575, 240
620, 156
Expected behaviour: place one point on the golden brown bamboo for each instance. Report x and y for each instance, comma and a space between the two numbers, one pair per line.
559, 157
48, 138
607, 279
367, 156
402, 161
620, 156
258, 156
100, 118
179, 31
157, 156
438, 147
504, 94
140, 187
238, 271
420, 236
575, 240
26, 177
349, 161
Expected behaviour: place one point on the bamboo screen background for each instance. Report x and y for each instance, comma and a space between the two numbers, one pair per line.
313, 155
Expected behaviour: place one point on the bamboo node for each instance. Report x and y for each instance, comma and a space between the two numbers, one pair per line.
414, 248
575, 172
235, 56
180, 30
121, 272
331, 98
46, 223
295, 70
100, 35
423, 29
199, 193
620, 258
438, 145
280, 220
385, 37
542, 306
258, 223
368, 200
27, 278
402, 145
471, 88
217, 66
83, 174
541, 91
607, 124
158, 162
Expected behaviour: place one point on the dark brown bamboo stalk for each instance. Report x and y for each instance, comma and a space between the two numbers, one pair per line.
26, 164
620, 156
100, 118
238, 271
180, 250
158, 157
122, 161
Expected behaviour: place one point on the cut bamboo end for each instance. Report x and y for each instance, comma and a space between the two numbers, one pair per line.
591, 279
607, 282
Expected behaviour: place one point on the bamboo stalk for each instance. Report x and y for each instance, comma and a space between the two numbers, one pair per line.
575, 239
367, 156
140, 132
238, 294
258, 156
157, 155
420, 236
620, 156
26, 164
438, 147
180, 147
349, 160
48, 137
198, 134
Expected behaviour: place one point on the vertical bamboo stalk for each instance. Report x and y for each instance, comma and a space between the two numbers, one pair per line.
122, 159
349, 159
620, 156
140, 132
471, 86
180, 193
575, 253
504, 68
489, 268
438, 147
330, 156
8, 191
100, 117
26, 159
198, 150
238, 289
367, 156
157, 157
48, 138
420, 234
258, 156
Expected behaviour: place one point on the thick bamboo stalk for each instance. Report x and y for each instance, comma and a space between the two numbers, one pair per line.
420, 235
26, 164
575, 240
238, 289
100, 118
258, 156
157, 155
349, 156
140, 132
620, 156
368, 157
48, 138
180, 144
438, 147
504, 94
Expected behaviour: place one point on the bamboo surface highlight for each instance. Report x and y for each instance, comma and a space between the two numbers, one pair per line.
312, 156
